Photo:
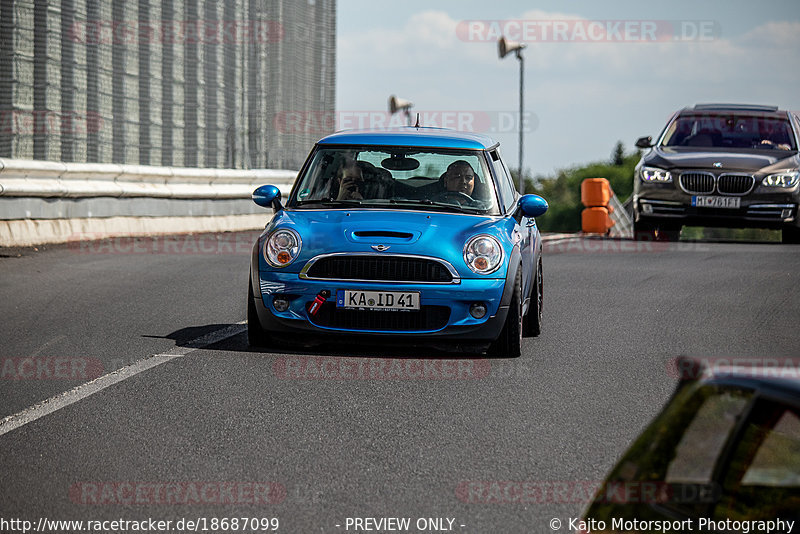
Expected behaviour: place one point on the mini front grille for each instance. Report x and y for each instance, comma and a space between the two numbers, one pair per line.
697, 182
379, 268
427, 319
735, 184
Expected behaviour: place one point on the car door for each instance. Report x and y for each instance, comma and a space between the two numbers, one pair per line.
525, 226
761, 477
671, 472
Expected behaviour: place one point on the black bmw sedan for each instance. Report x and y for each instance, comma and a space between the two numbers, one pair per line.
724, 165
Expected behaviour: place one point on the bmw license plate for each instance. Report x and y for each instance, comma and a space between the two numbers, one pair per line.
377, 300
716, 202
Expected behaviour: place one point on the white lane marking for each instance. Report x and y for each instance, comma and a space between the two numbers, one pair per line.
78, 393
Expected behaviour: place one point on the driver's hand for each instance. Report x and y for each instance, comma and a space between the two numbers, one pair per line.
349, 189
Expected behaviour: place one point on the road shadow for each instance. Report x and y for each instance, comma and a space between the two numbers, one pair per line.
344, 347
191, 336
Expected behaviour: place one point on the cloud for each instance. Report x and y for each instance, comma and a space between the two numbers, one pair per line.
586, 94
426, 39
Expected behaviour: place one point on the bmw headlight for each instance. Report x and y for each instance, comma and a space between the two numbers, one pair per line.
782, 179
654, 174
483, 254
282, 247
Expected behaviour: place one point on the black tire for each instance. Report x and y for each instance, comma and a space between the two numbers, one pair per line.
790, 235
256, 335
668, 233
532, 323
643, 231
509, 343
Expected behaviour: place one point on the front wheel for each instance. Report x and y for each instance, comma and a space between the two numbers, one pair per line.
532, 323
256, 335
643, 231
668, 233
509, 343
790, 235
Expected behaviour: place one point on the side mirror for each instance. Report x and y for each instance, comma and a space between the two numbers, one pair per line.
644, 142
532, 205
268, 196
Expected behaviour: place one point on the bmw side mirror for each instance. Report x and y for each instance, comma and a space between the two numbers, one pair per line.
644, 142
268, 196
532, 205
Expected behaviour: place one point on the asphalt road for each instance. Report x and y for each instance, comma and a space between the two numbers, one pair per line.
221, 431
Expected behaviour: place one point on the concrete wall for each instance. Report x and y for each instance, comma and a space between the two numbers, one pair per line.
52, 202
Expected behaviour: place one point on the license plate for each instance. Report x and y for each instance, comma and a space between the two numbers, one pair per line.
377, 300
716, 202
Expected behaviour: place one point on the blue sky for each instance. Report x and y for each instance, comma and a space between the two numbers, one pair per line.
580, 97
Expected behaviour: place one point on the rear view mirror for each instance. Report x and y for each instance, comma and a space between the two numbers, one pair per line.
644, 142
398, 162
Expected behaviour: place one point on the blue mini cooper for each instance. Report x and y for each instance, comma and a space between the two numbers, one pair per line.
409, 234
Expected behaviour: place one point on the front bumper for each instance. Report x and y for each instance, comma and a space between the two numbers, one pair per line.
444, 315
666, 203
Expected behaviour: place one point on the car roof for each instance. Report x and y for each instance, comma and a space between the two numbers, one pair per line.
782, 374
411, 137
739, 109
770, 380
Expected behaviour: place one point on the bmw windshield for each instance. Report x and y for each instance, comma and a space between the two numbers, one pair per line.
397, 178
728, 130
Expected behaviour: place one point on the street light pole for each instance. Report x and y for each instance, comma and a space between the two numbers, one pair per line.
521, 77
504, 47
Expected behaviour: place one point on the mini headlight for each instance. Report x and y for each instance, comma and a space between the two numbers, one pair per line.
282, 247
483, 254
654, 174
782, 179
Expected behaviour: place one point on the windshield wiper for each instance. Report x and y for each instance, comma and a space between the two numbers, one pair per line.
431, 203
412, 201
329, 203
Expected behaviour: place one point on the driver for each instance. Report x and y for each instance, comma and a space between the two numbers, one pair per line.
460, 177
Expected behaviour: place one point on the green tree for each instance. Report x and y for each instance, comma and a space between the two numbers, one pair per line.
618, 156
563, 190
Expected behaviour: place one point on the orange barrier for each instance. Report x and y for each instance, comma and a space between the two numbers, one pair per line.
596, 221
596, 193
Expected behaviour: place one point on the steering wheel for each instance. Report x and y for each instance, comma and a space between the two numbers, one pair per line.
458, 196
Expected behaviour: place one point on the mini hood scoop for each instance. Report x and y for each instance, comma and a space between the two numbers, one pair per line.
382, 233
372, 235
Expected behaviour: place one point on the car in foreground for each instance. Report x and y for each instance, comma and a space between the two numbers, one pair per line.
409, 234
723, 455
721, 165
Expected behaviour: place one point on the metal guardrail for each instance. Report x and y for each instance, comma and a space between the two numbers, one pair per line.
623, 224
53, 202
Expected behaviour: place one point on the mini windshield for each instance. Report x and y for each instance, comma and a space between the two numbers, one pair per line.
400, 178
728, 130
